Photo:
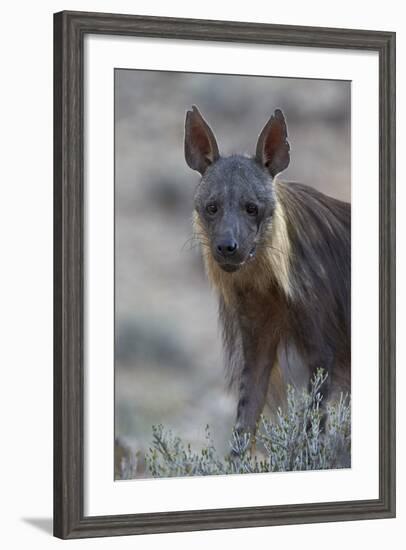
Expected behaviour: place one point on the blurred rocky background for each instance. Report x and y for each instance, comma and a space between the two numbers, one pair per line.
168, 359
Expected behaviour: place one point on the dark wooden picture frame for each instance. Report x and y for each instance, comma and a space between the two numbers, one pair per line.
69, 31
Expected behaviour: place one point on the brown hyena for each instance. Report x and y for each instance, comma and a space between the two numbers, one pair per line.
279, 256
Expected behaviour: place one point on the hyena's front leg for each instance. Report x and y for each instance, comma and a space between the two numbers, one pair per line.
259, 358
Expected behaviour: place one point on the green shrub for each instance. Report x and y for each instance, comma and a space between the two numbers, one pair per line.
295, 440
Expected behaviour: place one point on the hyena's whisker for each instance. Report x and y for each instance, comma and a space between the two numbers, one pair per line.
268, 246
188, 241
193, 242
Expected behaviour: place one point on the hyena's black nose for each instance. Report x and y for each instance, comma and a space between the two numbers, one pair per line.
227, 247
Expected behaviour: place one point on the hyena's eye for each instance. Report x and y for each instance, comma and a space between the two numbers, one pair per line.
211, 209
252, 209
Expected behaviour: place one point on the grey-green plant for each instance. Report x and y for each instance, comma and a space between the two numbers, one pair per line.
305, 436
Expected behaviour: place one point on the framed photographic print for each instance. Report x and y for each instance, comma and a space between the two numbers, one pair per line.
224, 274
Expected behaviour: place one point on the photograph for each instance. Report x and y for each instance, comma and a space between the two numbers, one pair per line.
199, 283
224, 274
232, 270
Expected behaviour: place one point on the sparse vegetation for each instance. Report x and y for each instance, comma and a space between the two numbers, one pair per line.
300, 438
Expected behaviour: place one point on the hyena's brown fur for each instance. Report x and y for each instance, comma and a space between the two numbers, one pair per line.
288, 311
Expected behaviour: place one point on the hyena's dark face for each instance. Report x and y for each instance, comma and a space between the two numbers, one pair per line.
235, 198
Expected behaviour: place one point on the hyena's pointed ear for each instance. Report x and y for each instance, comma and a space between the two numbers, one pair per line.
273, 146
201, 148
